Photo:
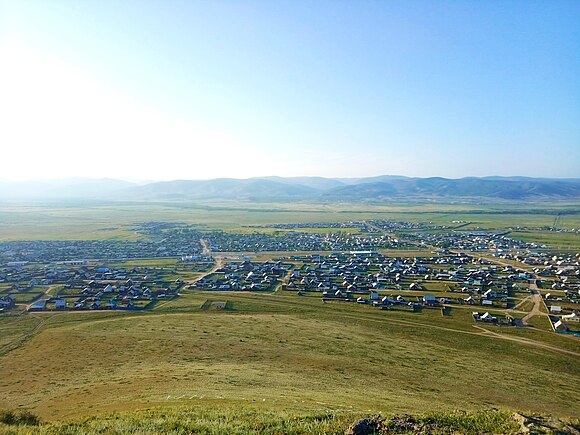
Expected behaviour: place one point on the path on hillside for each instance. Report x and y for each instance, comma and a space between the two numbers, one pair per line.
284, 280
218, 262
520, 303
538, 301
19, 341
206, 250
218, 265
483, 333
371, 317
527, 341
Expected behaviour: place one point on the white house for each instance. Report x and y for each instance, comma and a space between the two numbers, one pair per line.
574, 317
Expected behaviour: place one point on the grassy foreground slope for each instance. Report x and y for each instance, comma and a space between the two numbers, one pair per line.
187, 420
278, 352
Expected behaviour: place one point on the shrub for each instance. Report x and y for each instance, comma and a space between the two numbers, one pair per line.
21, 417
7, 417
27, 417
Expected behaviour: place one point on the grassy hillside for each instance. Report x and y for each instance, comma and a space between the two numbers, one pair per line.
278, 352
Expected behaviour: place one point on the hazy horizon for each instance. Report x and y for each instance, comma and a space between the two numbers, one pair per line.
201, 90
144, 181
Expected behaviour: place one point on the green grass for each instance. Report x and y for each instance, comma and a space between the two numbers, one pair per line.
222, 420
561, 241
280, 353
97, 220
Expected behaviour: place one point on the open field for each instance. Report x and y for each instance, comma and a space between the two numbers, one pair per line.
98, 221
558, 240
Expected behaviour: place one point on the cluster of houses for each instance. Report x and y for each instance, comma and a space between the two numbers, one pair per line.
369, 226
298, 241
471, 241
564, 270
82, 250
569, 323
245, 275
99, 287
401, 226
311, 225
160, 240
346, 275
496, 319
373, 298
7, 302
355, 272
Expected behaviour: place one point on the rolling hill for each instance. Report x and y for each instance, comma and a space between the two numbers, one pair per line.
382, 188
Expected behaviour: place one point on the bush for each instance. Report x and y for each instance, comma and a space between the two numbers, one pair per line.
7, 417
22, 417
27, 417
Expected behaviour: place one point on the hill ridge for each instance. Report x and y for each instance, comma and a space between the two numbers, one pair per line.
273, 188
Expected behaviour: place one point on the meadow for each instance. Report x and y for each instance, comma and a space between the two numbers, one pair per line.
95, 220
277, 351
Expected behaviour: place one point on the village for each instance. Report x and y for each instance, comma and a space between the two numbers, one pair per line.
385, 265
443, 280
82, 285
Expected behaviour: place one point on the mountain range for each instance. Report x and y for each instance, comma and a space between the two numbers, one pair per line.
381, 188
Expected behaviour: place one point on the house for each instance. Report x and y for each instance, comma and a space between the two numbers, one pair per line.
555, 309
430, 300
489, 294
37, 306
486, 317
60, 304
7, 301
561, 326
469, 300
574, 317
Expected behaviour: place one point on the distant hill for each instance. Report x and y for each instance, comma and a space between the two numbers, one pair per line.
221, 188
382, 188
362, 189
425, 188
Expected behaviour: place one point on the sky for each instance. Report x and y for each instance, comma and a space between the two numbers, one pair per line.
176, 89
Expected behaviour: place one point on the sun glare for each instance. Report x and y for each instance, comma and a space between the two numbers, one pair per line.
58, 118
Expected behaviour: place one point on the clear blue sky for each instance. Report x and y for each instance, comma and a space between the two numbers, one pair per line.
204, 89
